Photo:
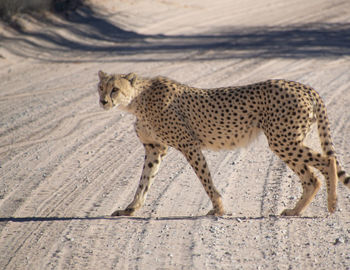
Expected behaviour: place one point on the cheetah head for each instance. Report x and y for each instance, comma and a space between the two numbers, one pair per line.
115, 90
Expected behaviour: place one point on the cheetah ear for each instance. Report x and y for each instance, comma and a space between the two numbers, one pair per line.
102, 74
132, 78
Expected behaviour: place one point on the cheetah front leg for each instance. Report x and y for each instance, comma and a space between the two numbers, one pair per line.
154, 154
197, 160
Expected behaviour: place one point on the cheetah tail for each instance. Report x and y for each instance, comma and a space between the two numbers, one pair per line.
324, 133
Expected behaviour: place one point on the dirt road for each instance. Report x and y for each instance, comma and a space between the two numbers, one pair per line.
66, 165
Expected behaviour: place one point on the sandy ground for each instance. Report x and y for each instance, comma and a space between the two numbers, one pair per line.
65, 164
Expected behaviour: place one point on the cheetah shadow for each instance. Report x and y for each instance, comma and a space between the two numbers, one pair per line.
153, 218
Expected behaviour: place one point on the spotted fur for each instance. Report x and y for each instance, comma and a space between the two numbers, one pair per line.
171, 114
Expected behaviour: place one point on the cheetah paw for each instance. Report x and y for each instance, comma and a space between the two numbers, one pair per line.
215, 212
126, 212
289, 212
332, 205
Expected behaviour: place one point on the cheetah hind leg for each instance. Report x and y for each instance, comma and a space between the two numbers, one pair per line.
327, 165
310, 183
332, 185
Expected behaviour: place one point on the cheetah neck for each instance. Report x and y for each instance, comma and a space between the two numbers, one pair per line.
133, 97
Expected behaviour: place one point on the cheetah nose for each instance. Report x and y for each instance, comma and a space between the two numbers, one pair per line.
103, 102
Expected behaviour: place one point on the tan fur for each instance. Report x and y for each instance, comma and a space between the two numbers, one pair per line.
171, 114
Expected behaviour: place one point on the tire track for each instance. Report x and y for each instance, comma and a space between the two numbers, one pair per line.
44, 116
32, 229
37, 148
273, 186
11, 97
39, 171
98, 170
70, 157
61, 129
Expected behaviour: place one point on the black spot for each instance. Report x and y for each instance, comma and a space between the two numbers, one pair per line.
341, 173
347, 180
150, 164
329, 153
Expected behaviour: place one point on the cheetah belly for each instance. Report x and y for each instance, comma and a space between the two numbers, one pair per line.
229, 139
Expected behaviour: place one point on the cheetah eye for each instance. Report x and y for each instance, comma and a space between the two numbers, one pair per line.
115, 90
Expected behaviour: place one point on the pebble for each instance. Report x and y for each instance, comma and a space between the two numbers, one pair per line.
339, 240
212, 229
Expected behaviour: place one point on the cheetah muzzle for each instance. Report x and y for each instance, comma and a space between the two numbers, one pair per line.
189, 119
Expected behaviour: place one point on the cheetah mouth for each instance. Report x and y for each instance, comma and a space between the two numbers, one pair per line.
105, 105
114, 104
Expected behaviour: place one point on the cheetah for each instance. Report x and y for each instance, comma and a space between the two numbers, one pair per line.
189, 119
